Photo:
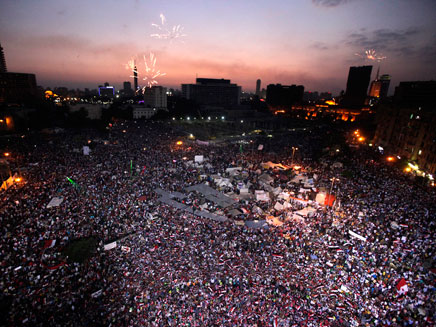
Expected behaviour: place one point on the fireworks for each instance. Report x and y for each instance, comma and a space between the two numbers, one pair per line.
151, 72
371, 55
166, 33
131, 65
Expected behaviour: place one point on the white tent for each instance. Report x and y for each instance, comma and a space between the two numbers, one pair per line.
55, 202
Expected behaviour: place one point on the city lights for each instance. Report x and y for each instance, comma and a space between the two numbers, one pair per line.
179, 143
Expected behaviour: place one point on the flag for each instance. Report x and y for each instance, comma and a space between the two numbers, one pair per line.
125, 249
49, 243
260, 147
402, 287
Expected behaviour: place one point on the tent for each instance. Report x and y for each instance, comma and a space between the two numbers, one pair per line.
55, 202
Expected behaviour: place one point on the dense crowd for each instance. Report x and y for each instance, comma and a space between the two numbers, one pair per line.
174, 268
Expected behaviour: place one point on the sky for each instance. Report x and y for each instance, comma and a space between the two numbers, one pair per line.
84, 43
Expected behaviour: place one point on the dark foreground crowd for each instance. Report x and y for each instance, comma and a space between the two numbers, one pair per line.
179, 269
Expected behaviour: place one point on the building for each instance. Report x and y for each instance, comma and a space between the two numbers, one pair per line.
3, 68
135, 79
380, 86
357, 86
143, 112
406, 127
106, 91
213, 92
421, 93
17, 87
127, 89
258, 87
278, 95
94, 111
155, 97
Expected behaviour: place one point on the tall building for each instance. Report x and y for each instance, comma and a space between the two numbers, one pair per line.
15, 87
135, 79
155, 97
3, 68
127, 86
421, 93
258, 87
213, 92
406, 127
357, 86
278, 95
380, 86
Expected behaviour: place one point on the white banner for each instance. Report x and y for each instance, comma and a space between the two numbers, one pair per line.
110, 246
199, 159
357, 236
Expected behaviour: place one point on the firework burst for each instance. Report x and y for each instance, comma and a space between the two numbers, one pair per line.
131, 66
371, 55
151, 72
166, 33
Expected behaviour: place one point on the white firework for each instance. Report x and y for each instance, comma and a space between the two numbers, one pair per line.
151, 72
372, 55
131, 66
167, 33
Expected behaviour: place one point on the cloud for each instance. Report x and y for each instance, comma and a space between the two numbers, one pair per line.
319, 46
330, 3
383, 39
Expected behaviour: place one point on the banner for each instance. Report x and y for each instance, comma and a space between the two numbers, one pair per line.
110, 246
357, 236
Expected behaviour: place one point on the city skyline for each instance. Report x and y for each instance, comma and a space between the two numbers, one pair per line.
307, 42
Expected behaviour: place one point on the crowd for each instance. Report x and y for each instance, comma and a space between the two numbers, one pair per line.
174, 268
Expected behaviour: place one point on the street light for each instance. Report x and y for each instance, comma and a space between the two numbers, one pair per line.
293, 152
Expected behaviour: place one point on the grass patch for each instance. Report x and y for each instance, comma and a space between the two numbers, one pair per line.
80, 250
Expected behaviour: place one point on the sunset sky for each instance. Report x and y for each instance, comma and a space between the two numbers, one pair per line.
84, 43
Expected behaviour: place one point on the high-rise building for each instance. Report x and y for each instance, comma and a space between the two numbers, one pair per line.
278, 95
3, 68
406, 126
380, 86
155, 97
357, 86
135, 79
127, 86
213, 92
421, 93
258, 87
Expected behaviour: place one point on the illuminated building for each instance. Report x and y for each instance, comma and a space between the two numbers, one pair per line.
106, 91
258, 87
278, 95
407, 126
357, 86
380, 86
155, 97
3, 68
213, 92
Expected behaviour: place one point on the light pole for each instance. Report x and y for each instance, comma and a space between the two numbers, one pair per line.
331, 190
293, 152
